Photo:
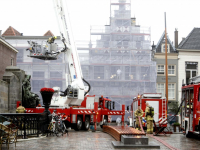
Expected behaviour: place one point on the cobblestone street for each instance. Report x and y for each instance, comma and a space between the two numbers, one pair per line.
95, 140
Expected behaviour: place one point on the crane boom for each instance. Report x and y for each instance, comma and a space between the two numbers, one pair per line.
75, 91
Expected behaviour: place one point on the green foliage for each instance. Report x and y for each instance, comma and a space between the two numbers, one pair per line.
176, 124
173, 107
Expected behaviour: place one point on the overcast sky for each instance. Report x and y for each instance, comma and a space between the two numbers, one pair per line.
35, 17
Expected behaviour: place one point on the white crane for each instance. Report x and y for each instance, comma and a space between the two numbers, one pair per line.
75, 92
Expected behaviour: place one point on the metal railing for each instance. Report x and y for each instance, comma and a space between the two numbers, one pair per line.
27, 124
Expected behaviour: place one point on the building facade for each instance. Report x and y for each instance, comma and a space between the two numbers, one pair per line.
189, 54
159, 57
8, 55
118, 62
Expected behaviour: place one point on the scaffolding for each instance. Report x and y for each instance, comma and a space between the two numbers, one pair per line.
119, 64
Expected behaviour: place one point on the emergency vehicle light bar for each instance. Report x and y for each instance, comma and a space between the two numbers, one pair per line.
154, 95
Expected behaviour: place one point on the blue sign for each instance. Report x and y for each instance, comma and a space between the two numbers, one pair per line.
74, 76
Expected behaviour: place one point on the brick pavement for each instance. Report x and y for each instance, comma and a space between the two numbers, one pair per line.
95, 140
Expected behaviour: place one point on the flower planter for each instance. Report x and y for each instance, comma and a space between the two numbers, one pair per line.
176, 127
46, 96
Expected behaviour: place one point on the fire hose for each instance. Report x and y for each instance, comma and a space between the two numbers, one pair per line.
156, 138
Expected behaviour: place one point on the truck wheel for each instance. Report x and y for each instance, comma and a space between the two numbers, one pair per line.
105, 121
79, 123
86, 124
188, 135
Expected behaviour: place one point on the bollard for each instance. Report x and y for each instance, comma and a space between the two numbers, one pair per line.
123, 109
95, 116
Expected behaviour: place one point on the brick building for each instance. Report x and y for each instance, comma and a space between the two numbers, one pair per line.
8, 53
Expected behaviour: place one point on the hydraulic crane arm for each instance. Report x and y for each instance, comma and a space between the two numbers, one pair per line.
75, 91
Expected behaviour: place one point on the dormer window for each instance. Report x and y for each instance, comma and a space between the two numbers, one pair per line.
163, 48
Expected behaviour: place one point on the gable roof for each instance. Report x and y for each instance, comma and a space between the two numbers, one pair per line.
48, 33
11, 32
8, 45
192, 40
168, 41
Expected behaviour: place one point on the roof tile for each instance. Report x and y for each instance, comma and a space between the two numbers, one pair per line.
11, 32
48, 33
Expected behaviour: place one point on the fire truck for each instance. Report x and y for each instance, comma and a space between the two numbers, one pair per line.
190, 110
157, 102
79, 109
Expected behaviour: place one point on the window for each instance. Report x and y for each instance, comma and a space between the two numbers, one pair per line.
171, 69
191, 70
37, 85
20, 55
38, 74
161, 88
163, 48
85, 70
56, 74
12, 62
171, 91
54, 83
98, 72
160, 69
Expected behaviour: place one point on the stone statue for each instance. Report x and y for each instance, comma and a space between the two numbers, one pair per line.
29, 99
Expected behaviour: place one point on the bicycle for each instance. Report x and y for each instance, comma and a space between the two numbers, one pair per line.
57, 126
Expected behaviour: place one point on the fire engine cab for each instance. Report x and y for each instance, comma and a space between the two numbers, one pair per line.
190, 110
157, 102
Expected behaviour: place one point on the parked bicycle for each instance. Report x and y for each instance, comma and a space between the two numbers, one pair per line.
57, 126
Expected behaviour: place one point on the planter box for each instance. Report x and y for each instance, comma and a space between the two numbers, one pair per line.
177, 127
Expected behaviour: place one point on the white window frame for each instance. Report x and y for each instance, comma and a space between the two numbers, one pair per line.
163, 94
163, 48
172, 69
174, 97
160, 71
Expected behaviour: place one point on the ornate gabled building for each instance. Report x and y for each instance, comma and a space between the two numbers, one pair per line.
118, 64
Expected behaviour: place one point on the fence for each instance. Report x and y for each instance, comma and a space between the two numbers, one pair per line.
27, 124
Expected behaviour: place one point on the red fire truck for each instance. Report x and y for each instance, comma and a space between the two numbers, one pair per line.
93, 110
190, 110
80, 109
157, 102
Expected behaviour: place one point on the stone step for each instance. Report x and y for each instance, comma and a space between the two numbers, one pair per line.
134, 140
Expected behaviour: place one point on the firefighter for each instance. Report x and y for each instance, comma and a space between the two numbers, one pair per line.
20, 109
138, 113
149, 117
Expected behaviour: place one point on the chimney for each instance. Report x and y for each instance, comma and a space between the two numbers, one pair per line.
0, 33
153, 47
176, 38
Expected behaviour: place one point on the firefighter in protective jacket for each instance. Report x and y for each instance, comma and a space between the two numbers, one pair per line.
149, 117
138, 113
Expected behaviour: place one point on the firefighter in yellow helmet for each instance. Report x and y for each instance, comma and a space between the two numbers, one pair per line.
138, 113
149, 117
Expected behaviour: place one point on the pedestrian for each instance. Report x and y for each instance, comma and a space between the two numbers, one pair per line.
128, 121
138, 113
149, 117
118, 73
20, 109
